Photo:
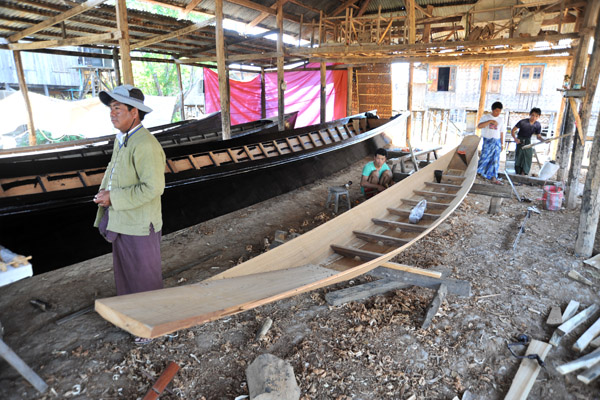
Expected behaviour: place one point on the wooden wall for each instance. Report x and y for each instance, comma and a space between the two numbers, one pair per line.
374, 85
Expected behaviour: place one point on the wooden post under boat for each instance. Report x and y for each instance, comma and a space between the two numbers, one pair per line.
328, 254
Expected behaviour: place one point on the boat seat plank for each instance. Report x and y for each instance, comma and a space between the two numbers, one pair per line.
342, 134
247, 150
353, 252
193, 162
430, 204
276, 146
156, 313
300, 142
383, 239
232, 156
400, 225
443, 186
333, 136
291, 146
442, 196
84, 180
406, 213
172, 167
214, 158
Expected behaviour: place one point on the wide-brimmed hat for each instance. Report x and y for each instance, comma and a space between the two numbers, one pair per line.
126, 94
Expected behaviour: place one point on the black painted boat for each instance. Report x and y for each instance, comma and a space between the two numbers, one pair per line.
50, 216
91, 153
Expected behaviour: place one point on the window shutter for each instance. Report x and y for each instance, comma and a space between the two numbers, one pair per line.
433, 79
452, 80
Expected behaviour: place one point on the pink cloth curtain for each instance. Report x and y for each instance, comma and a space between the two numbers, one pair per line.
302, 95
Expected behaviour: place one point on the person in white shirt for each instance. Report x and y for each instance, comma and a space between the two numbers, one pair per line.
492, 131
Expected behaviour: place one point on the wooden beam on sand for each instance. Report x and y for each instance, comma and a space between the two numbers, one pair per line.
572, 324
364, 291
528, 371
582, 362
587, 337
25, 92
56, 19
457, 287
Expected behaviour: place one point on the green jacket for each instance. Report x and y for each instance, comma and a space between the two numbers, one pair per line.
138, 182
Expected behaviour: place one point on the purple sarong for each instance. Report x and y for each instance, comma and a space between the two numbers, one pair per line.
136, 262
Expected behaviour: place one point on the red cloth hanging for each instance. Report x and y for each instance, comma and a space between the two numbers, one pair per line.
302, 95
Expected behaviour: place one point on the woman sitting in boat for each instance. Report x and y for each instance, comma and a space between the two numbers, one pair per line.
376, 175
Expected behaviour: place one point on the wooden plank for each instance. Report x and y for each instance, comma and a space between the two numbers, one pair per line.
590, 374
56, 19
364, 291
572, 324
173, 34
444, 186
412, 270
233, 157
214, 158
582, 362
528, 371
427, 193
570, 311
495, 203
247, 150
587, 337
382, 239
491, 190
482, 93
353, 252
156, 313
579, 278
400, 225
430, 204
457, 287
406, 213
434, 306
276, 147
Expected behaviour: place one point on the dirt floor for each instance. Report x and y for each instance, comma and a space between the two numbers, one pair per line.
370, 349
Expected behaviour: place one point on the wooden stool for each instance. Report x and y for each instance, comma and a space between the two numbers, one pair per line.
334, 195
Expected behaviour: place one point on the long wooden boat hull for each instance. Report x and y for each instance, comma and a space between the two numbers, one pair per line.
175, 138
347, 246
55, 226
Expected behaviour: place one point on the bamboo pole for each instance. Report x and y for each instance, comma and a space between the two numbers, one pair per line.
263, 95
25, 92
181, 94
280, 74
323, 93
411, 73
349, 92
222, 71
115, 57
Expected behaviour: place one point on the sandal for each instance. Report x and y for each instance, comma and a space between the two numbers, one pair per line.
140, 341
497, 182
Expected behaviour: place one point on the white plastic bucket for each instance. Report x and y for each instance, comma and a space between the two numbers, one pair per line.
548, 170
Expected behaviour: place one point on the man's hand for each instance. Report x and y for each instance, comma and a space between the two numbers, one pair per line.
517, 141
102, 198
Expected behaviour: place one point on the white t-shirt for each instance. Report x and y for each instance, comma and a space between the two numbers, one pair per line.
492, 131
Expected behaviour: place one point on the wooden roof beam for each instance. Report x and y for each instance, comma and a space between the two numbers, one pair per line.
264, 15
100, 38
55, 20
170, 35
341, 8
258, 7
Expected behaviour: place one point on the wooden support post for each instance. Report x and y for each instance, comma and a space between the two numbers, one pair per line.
411, 73
559, 118
300, 30
412, 28
115, 54
323, 92
320, 28
590, 203
124, 44
280, 75
427, 28
222, 72
495, 203
482, 93
263, 94
569, 145
181, 94
25, 93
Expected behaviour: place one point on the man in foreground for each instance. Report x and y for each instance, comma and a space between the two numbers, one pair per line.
526, 129
129, 210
